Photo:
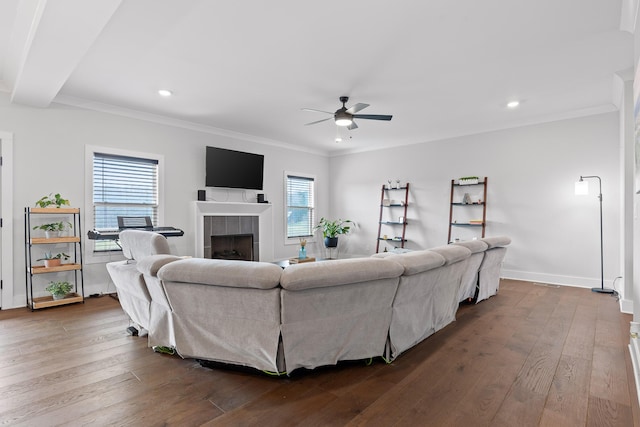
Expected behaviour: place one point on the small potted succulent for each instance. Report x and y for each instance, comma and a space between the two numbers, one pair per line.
59, 290
52, 200
331, 229
53, 229
51, 260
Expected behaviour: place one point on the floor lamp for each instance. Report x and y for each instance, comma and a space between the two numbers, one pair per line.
582, 188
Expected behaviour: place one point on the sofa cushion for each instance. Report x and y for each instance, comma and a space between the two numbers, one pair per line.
337, 272
497, 241
236, 274
137, 244
151, 264
452, 253
474, 246
417, 261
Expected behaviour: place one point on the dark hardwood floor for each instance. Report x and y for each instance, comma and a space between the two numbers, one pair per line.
533, 355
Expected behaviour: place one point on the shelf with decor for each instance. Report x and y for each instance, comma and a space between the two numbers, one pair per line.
390, 207
468, 206
52, 221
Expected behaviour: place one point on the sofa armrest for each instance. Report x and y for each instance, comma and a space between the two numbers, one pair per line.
150, 265
217, 272
337, 272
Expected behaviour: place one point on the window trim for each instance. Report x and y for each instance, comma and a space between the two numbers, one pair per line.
91, 257
295, 240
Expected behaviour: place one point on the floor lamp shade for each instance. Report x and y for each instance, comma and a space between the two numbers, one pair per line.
582, 188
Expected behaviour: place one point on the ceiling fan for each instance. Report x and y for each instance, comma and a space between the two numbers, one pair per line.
344, 116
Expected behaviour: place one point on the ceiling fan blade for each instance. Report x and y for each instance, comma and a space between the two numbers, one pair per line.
357, 107
373, 116
319, 121
352, 126
315, 111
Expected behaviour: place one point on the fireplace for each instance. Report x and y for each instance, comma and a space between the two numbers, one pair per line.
220, 218
232, 237
232, 246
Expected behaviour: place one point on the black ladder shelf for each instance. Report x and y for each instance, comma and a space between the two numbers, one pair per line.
392, 209
466, 213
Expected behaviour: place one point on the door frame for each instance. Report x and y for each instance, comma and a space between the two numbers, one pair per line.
6, 212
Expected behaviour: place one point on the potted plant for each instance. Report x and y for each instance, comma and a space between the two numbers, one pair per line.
53, 260
59, 290
331, 229
52, 200
53, 229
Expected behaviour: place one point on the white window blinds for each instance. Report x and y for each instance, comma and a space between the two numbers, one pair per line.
122, 186
300, 206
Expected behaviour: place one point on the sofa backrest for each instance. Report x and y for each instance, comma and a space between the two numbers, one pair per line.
337, 272
138, 244
475, 246
452, 253
218, 272
417, 261
497, 241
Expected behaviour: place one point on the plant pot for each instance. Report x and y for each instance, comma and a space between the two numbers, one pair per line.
55, 262
331, 242
58, 296
51, 234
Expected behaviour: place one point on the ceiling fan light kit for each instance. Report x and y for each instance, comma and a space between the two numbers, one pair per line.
344, 116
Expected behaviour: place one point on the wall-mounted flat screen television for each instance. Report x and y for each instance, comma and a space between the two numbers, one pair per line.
234, 169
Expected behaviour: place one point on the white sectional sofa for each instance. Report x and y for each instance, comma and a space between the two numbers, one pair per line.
307, 315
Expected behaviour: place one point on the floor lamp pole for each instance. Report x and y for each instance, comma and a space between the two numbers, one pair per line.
601, 289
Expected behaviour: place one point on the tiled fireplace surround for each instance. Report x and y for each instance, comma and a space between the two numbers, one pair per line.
220, 218
231, 226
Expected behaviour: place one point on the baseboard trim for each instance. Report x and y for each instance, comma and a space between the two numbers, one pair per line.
626, 306
554, 279
634, 350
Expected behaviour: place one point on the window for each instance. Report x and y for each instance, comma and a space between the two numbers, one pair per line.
300, 201
122, 186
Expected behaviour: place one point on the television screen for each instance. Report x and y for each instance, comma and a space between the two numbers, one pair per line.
234, 169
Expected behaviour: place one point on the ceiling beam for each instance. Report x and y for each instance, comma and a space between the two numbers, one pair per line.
49, 39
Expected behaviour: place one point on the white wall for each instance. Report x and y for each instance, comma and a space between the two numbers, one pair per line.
531, 171
49, 150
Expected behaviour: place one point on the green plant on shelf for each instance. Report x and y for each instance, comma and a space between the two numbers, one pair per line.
49, 256
52, 199
59, 289
54, 226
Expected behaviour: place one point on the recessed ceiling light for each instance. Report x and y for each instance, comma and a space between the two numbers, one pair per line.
165, 92
338, 139
513, 104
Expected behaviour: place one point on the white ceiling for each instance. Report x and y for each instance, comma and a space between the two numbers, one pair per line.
443, 68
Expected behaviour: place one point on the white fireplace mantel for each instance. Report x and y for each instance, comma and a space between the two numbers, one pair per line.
262, 210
